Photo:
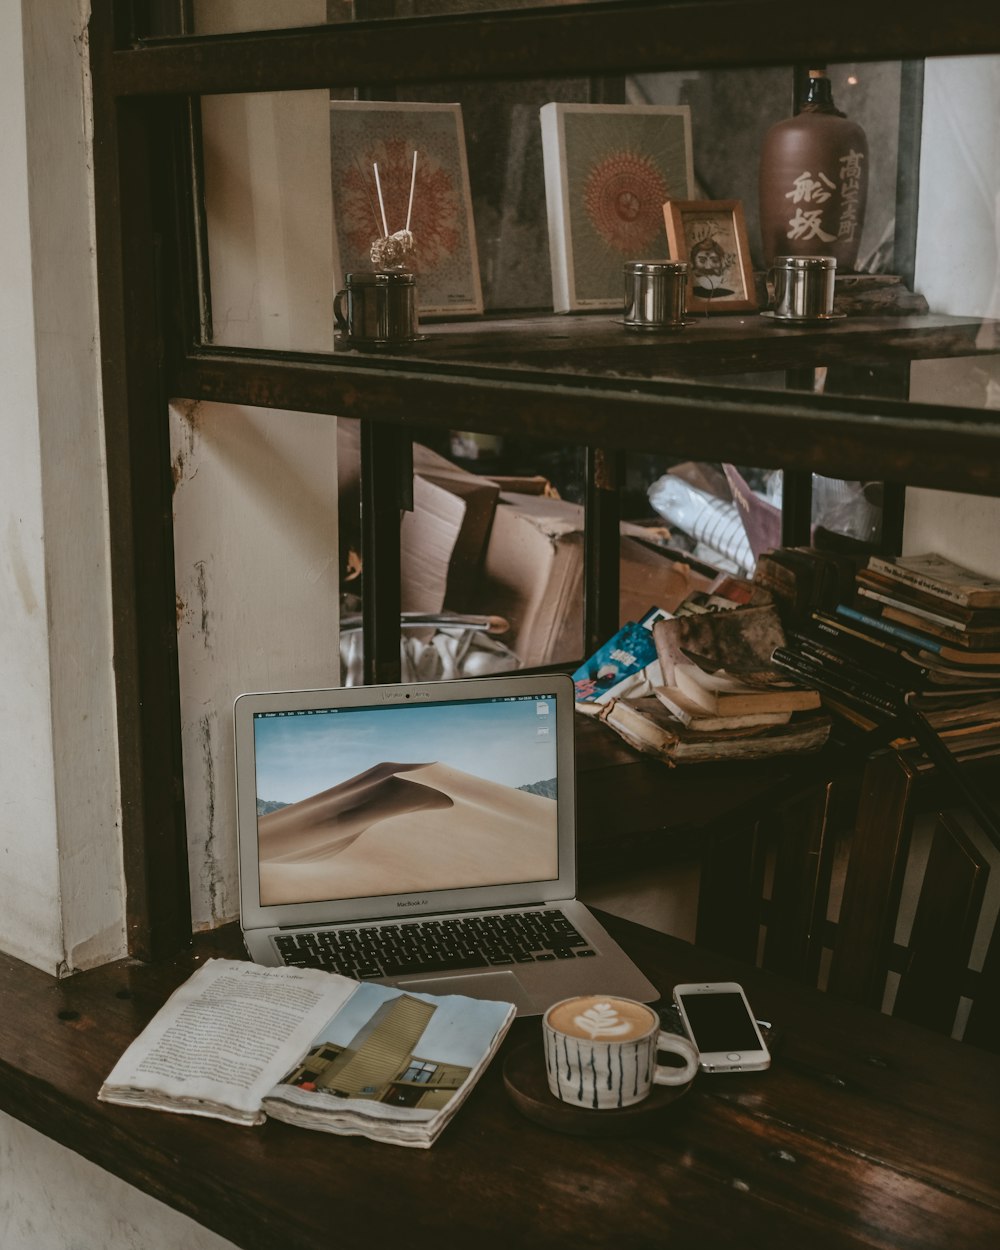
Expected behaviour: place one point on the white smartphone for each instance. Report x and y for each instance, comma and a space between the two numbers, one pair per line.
719, 1021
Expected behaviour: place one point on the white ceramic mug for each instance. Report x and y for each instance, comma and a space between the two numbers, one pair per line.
600, 1052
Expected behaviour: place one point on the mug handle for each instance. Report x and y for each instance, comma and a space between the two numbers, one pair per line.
338, 312
674, 1044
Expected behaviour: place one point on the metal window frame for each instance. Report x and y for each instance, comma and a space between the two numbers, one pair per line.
147, 74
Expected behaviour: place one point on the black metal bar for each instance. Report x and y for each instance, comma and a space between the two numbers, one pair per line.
796, 508
601, 547
911, 112
386, 489
128, 189
796, 486
631, 36
893, 510
944, 447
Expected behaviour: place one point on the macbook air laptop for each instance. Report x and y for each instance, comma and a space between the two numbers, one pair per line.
422, 836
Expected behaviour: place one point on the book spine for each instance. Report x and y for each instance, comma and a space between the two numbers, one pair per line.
874, 664
919, 580
852, 677
835, 681
904, 605
881, 625
843, 631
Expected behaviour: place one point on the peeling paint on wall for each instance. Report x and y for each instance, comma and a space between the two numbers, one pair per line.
211, 875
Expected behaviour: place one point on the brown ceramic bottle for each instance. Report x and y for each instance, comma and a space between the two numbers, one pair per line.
814, 181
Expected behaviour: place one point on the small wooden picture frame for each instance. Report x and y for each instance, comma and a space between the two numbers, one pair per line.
711, 235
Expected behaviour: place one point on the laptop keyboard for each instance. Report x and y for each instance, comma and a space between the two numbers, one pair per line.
390, 950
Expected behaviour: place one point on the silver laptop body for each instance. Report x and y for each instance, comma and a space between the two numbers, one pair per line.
365, 807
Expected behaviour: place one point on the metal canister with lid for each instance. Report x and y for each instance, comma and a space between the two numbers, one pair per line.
655, 294
803, 287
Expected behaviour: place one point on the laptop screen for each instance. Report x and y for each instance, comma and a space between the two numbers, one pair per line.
401, 798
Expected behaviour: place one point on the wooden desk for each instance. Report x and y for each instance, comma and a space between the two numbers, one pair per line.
865, 1132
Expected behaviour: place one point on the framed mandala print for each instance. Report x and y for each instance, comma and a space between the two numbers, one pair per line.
712, 237
606, 168
402, 168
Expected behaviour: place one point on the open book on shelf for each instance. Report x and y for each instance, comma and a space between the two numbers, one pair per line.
647, 725
242, 1043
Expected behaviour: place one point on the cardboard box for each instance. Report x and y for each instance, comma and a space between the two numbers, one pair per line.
478, 499
533, 576
442, 539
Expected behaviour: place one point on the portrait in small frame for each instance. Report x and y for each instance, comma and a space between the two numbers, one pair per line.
711, 236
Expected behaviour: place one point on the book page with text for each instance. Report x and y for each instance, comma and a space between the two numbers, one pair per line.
225, 1037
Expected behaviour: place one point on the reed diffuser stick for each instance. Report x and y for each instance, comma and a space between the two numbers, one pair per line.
381, 202
413, 183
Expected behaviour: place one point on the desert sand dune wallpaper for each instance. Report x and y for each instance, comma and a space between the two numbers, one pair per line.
404, 826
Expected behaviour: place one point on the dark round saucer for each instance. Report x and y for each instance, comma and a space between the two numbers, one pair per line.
528, 1087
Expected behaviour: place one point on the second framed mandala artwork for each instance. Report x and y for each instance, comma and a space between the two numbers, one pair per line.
609, 168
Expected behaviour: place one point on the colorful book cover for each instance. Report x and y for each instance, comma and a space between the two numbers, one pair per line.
626, 653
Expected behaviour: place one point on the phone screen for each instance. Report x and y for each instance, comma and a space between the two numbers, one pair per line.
720, 1022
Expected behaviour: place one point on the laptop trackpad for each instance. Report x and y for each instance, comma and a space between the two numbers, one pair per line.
501, 987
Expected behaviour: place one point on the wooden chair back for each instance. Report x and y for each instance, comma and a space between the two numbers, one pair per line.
769, 892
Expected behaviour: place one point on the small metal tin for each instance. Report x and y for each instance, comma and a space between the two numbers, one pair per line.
803, 287
655, 293
377, 309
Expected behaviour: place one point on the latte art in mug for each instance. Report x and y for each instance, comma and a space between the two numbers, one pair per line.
597, 1018
601, 1052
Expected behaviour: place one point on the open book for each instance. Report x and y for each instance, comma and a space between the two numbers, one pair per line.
240, 1042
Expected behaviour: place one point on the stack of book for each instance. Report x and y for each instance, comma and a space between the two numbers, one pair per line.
921, 632
712, 693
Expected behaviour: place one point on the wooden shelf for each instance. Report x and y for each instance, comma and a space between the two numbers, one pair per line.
596, 345
737, 387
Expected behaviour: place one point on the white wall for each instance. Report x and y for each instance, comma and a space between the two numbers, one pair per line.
255, 499
52, 1199
958, 270
29, 873
256, 555
248, 482
61, 892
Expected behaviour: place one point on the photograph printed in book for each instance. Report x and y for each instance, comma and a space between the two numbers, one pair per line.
608, 170
380, 190
711, 236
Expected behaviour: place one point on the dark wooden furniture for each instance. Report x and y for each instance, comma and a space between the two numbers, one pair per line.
867, 1131
587, 389
856, 827
634, 812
